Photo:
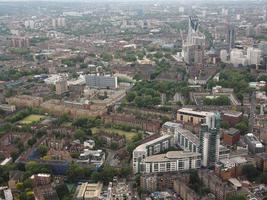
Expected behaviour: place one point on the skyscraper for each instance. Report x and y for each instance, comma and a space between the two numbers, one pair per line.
193, 46
210, 141
231, 36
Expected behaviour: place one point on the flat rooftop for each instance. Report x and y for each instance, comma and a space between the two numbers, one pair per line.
171, 155
190, 111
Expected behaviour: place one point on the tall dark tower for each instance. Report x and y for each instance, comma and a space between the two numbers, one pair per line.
231, 36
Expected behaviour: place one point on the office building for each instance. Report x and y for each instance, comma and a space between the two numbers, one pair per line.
153, 147
101, 81
254, 144
237, 58
253, 56
210, 141
61, 87
193, 46
223, 55
231, 36
183, 138
231, 136
88, 191
41, 179
172, 161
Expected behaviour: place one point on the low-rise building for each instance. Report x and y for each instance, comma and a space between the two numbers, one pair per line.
254, 144
88, 191
231, 117
41, 179
230, 168
25, 101
170, 162
231, 136
261, 161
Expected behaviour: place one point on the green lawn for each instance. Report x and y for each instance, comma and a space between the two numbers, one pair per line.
31, 118
129, 135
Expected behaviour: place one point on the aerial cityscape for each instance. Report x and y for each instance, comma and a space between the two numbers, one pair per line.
133, 100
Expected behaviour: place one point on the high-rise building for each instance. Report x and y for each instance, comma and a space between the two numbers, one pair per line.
20, 42
210, 141
61, 87
231, 36
193, 46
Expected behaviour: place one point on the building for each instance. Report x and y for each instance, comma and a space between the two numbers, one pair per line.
183, 138
45, 193
230, 37
210, 141
61, 87
223, 55
153, 147
157, 181
92, 157
41, 179
261, 161
7, 108
231, 136
111, 139
231, 117
88, 191
25, 101
101, 81
253, 56
188, 115
20, 42
230, 168
193, 46
172, 161
118, 190
237, 58
254, 144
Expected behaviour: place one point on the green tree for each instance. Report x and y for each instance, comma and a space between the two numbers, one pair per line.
42, 150
79, 134
250, 172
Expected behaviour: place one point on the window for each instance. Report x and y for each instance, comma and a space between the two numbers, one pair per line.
156, 167
181, 165
181, 118
191, 119
168, 166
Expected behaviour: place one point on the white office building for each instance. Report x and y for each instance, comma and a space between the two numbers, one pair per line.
172, 161
253, 56
101, 81
237, 58
223, 55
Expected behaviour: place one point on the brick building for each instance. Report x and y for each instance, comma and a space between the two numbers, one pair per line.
231, 117
231, 136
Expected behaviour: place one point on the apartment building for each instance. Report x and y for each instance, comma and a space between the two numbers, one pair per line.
150, 148
101, 81
172, 161
183, 138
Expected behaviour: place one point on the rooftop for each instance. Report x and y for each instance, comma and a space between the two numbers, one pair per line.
142, 147
194, 112
171, 155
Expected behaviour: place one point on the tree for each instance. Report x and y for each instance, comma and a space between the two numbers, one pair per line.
42, 150
62, 191
236, 197
263, 178
131, 96
250, 172
79, 134
242, 126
